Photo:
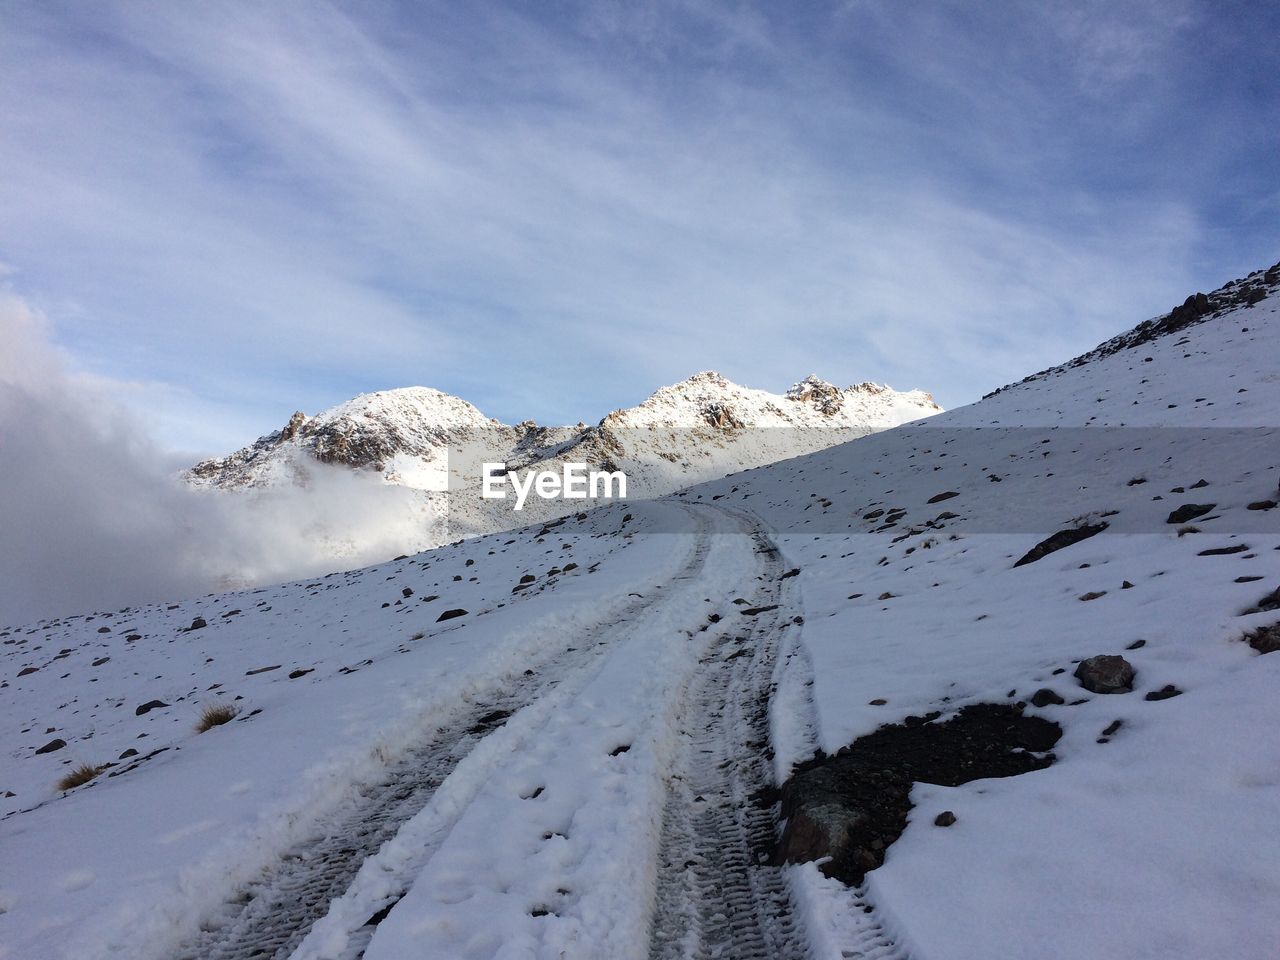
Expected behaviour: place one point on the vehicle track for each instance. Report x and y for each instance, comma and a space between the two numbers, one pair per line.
272, 915
717, 896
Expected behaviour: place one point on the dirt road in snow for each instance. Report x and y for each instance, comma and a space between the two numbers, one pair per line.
699, 755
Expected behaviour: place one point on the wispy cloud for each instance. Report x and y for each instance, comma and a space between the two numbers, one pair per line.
551, 211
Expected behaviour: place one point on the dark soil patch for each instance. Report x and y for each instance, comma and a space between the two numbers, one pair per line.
853, 805
1063, 538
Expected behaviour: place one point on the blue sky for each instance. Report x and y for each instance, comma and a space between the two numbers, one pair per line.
226, 211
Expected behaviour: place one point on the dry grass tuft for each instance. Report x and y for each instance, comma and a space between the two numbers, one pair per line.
80, 775
1183, 531
215, 715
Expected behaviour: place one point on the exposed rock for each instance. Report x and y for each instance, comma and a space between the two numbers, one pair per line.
1164, 693
52, 745
1189, 511
1224, 551
198, 623
1268, 603
945, 819
1106, 673
148, 707
939, 497
1264, 639
1063, 538
451, 614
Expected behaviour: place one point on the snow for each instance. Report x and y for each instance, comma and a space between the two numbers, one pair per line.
1159, 842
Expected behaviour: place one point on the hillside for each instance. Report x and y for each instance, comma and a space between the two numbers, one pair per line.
641, 731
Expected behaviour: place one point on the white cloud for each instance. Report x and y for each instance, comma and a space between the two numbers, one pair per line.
92, 516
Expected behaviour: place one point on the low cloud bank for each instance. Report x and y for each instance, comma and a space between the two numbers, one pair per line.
93, 518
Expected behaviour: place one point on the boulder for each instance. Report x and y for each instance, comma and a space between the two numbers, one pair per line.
1107, 673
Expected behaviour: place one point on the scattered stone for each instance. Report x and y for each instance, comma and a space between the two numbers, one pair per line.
1063, 538
877, 702
1126, 585
451, 614
27, 671
756, 611
793, 572
938, 498
254, 672
407, 592
1164, 693
1136, 645
51, 746
148, 707
295, 674
128, 753
197, 624
1045, 697
1093, 595
886, 596
1106, 673
1262, 505
1199, 483
945, 819
1189, 511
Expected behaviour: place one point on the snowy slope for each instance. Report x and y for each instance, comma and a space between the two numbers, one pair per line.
570, 769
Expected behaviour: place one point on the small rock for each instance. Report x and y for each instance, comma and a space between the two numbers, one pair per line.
198, 624
1093, 595
1164, 693
1044, 697
945, 819
451, 614
407, 592
1136, 645
129, 753
1262, 505
877, 702
52, 745
148, 707
938, 498
1106, 674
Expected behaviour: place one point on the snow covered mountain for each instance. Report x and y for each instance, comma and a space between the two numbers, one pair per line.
427, 444
996, 684
405, 434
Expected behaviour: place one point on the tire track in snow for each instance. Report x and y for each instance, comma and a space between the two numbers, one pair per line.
271, 917
717, 897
